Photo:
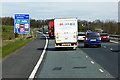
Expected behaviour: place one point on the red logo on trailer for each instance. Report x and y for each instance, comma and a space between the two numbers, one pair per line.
61, 24
21, 29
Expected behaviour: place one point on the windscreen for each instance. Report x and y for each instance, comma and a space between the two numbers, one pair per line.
92, 34
104, 34
81, 34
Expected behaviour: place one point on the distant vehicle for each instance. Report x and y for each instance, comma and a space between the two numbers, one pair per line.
81, 36
89, 31
45, 29
46, 32
66, 31
105, 37
40, 30
51, 29
92, 38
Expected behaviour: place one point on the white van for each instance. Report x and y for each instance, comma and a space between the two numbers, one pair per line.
81, 36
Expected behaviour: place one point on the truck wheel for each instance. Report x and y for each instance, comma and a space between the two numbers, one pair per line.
85, 45
57, 48
50, 37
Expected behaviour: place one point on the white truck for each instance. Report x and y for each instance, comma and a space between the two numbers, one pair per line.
66, 31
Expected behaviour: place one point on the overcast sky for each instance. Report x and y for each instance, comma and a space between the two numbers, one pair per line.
59, 0
46, 10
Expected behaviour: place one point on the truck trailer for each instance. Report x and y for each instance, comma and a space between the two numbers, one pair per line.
51, 29
66, 32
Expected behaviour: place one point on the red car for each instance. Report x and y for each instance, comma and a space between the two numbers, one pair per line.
105, 37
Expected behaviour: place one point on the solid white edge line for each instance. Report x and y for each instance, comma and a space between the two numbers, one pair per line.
92, 62
32, 75
101, 70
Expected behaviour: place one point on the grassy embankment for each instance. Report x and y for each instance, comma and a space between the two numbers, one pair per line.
10, 42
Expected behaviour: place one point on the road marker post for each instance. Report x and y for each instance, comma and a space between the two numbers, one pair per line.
21, 36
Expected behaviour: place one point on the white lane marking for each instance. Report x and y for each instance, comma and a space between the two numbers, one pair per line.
104, 46
92, 62
101, 70
111, 49
114, 41
39, 32
32, 75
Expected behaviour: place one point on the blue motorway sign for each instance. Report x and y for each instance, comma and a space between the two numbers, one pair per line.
21, 23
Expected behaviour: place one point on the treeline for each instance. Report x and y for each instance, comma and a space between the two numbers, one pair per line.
33, 23
110, 27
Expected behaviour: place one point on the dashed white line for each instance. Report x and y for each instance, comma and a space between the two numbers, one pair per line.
101, 70
32, 75
111, 49
92, 62
86, 56
114, 41
104, 46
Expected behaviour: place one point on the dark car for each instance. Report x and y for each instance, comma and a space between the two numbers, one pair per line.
92, 39
105, 37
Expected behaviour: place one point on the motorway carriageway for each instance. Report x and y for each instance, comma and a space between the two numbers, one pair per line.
80, 63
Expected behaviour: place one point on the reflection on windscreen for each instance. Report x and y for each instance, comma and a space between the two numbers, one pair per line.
81, 34
93, 35
104, 34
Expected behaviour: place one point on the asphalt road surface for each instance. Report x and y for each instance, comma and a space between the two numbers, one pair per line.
64, 63
21, 63
81, 63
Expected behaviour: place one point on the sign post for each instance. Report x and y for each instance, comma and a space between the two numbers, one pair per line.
21, 36
21, 23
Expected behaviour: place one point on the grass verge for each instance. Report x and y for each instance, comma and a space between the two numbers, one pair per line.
13, 46
10, 43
